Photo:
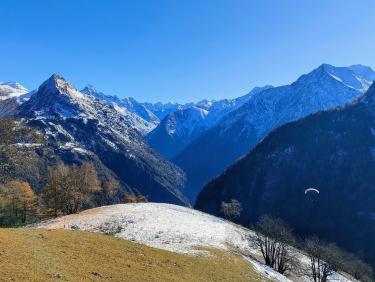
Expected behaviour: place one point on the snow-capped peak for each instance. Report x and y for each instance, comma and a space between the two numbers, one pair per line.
58, 84
56, 98
143, 119
11, 89
89, 89
357, 77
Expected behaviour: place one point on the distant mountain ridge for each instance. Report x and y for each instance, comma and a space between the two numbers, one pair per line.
332, 151
11, 90
324, 88
202, 138
181, 127
139, 117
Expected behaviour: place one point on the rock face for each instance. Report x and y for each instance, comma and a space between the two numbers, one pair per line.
332, 151
76, 122
324, 88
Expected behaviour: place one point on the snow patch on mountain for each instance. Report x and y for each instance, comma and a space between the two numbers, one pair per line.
11, 90
141, 118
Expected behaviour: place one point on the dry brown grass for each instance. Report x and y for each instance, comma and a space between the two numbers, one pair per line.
61, 255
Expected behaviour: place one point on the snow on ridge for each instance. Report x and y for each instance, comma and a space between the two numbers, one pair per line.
11, 90
137, 115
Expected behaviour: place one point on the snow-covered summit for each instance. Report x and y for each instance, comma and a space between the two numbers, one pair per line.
11, 90
357, 77
57, 84
58, 98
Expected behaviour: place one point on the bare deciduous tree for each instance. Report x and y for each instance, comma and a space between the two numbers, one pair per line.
274, 240
131, 198
358, 269
231, 210
325, 259
109, 190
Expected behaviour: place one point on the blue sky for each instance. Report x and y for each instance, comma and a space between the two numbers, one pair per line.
181, 50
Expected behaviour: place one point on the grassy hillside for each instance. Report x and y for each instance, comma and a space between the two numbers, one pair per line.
60, 255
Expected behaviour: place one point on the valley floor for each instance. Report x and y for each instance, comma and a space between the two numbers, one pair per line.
63, 255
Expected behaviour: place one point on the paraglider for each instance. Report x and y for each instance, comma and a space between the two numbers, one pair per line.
311, 190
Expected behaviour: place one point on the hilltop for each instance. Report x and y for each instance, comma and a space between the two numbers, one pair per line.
174, 228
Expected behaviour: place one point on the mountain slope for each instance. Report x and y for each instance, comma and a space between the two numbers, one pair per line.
179, 128
71, 119
324, 88
332, 151
136, 114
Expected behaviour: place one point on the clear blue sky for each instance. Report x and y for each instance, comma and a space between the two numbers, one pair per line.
181, 50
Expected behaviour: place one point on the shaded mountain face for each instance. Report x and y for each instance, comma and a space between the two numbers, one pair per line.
77, 122
237, 132
176, 131
331, 151
181, 127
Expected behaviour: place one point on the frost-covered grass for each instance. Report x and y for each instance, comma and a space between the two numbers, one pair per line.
164, 226
173, 228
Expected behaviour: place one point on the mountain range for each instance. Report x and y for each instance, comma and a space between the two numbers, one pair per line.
78, 127
331, 151
317, 132
239, 130
201, 138
181, 127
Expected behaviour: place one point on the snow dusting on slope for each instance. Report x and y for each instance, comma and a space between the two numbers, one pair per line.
11, 90
169, 227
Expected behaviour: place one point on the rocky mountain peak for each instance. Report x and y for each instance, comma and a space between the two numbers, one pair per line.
57, 84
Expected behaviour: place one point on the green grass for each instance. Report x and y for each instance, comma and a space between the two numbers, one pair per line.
60, 255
